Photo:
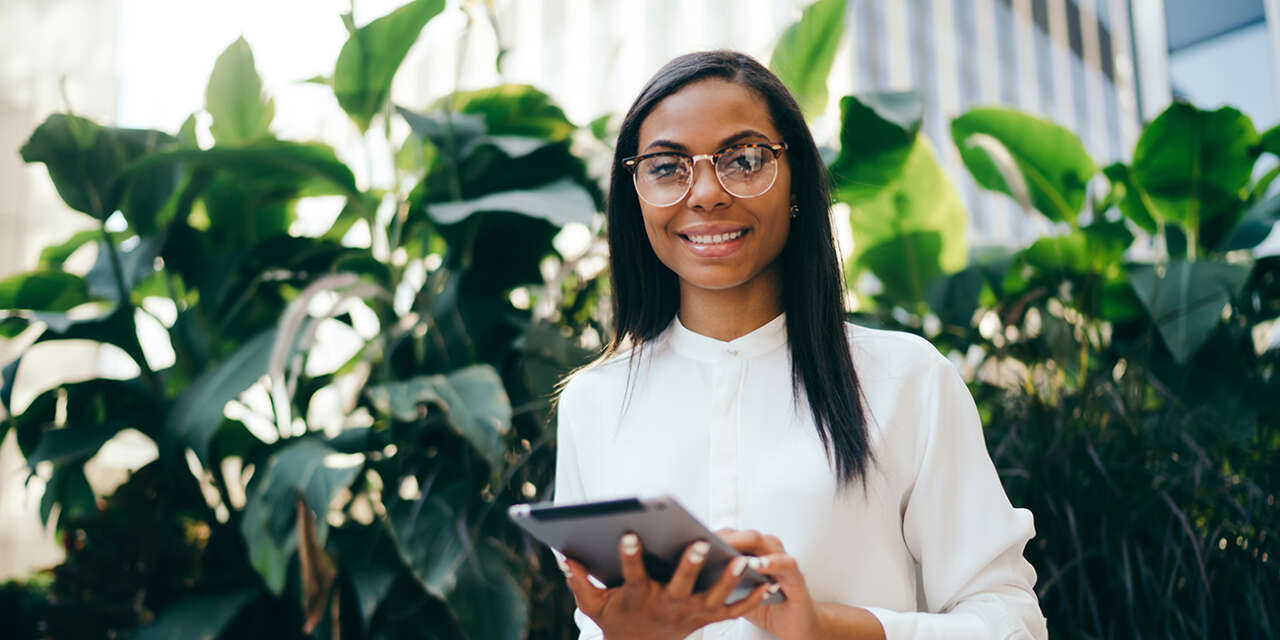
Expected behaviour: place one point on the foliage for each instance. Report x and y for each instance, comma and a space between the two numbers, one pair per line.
1127, 392
356, 497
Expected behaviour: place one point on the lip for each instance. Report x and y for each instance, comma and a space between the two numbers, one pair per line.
720, 250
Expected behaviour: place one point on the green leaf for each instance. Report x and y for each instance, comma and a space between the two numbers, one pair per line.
803, 56
487, 599
1270, 140
428, 538
68, 489
43, 291
1185, 302
512, 110
1051, 161
371, 56
1254, 227
85, 160
473, 397
197, 617
368, 557
54, 256
1129, 196
954, 298
877, 134
313, 165
560, 203
912, 230
197, 412
234, 97
269, 523
74, 443
136, 265
1192, 165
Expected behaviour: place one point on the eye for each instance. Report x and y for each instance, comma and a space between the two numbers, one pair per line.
745, 160
662, 167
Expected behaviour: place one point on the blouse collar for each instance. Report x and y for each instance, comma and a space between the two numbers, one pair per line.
758, 342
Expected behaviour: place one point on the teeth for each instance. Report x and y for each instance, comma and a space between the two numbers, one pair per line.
717, 238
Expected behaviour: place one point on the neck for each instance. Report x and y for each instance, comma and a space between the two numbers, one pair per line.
726, 314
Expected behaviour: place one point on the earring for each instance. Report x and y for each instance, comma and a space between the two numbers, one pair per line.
795, 210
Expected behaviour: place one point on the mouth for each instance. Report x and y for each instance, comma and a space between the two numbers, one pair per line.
716, 245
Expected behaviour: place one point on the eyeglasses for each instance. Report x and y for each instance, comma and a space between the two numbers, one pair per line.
744, 170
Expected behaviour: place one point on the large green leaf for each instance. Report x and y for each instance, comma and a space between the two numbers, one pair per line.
559, 203
1127, 195
368, 557
877, 134
1051, 161
56, 255
304, 468
1186, 301
136, 265
907, 218
911, 231
487, 599
197, 412
74, 443
1254, 227
1192, 165
371, 56
429, 538
310, 166
197, 617
512, 110
1271, 140
43, 291
86, 161
234, 97
473, 397
803, 56
69, 490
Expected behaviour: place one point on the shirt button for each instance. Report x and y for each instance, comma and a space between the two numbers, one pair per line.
732, 352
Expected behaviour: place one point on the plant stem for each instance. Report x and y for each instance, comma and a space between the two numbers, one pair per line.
133, 347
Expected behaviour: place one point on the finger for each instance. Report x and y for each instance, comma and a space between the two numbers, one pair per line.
631, 555
686, 574
719, 592
772, 543
588, 597
781, 567
746, 541
745, 605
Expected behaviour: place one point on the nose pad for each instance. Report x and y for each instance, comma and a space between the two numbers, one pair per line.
705, 191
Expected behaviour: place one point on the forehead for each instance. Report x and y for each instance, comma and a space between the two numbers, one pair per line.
700, 115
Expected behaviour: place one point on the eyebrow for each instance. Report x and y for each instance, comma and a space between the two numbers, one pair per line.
741, 135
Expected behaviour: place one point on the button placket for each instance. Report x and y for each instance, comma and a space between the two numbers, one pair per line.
723, 440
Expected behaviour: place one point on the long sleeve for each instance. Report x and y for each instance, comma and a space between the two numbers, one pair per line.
960, 527
569, 488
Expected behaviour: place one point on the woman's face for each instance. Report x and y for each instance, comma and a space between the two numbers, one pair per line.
704, 117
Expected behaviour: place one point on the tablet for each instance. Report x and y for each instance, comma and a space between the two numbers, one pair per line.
589, 533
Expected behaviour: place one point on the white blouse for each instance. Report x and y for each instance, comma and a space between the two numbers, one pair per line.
932, 548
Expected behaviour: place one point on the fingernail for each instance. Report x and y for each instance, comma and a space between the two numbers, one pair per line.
739, 565
753, 562
763, 563
774, 588
630, 544
699, 551
564, 567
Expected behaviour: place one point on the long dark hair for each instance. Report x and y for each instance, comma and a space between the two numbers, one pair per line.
646, 294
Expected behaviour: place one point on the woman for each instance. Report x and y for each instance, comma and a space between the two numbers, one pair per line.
866, 491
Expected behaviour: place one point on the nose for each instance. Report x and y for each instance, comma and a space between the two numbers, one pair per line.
706, 193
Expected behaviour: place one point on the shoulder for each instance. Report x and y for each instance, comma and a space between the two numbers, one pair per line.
883, 353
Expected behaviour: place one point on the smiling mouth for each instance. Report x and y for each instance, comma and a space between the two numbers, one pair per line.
714, 239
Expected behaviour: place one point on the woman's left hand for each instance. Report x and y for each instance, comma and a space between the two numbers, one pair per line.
796, 618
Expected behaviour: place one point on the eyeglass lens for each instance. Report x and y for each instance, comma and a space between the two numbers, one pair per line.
745, 172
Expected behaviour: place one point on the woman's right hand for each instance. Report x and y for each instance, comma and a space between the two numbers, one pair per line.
643, 608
